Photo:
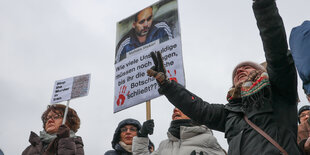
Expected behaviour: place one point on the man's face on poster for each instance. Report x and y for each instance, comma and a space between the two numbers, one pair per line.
144, 22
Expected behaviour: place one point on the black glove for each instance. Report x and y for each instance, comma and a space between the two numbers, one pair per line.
158, 71
63, 131
146, 129
194, 153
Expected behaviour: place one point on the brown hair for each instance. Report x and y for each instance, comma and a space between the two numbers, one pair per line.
72, 121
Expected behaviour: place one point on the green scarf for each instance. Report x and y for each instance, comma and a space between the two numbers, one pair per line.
47, 138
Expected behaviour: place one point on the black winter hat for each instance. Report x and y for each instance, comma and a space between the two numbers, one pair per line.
303, 108
129, 121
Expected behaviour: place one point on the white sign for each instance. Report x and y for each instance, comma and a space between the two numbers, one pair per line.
70, 88
133, 86
152, 29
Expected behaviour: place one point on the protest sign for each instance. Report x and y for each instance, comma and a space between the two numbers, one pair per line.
70, 88
155, 28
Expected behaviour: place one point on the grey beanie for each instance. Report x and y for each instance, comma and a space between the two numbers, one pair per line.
248, 63
303, 108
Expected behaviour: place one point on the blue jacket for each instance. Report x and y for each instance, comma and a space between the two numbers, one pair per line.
159, 30
300, 48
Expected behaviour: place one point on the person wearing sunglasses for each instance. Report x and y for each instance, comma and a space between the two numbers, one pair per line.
123, 135
55, 137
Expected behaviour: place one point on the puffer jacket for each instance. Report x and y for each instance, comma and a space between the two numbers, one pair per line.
278, 117
303, 135
66, 146
198, 138
118, 149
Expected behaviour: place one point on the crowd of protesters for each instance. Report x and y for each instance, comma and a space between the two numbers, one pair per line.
261, 115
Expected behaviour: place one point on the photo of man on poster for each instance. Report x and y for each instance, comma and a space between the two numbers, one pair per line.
144, 30
153, 28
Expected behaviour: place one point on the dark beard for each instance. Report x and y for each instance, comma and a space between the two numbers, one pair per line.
142, 32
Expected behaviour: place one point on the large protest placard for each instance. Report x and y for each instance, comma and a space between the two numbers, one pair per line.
154, 28
70, 88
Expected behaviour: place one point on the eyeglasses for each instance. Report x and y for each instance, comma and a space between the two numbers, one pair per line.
54, 117
304, 115
132, 129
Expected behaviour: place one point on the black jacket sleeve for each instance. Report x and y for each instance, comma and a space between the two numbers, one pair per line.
280, 64
211, 115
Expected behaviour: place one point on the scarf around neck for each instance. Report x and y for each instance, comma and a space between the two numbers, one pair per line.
126, 147
174, 128
47, 138
255, 91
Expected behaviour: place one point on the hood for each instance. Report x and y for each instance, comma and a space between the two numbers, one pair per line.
299, 43
299, 38
117, 132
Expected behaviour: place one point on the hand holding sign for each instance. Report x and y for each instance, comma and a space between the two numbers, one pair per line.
63, 131
146, 129
158, 70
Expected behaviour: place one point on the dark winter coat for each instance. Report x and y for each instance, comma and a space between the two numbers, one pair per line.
278, 118
66, 146
118, 150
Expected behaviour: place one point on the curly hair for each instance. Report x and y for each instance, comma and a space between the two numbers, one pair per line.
72, 121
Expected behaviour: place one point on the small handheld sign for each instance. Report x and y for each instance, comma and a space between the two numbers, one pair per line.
67, 89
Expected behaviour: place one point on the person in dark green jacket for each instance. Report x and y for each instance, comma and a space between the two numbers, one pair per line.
267, 97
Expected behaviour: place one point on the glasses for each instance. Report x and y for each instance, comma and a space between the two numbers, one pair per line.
132, 129
54, 117
304, 115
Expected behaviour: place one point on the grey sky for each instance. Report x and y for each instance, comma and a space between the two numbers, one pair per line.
46, 40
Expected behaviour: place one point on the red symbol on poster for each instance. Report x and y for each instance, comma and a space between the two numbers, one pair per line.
172, 77
121, 97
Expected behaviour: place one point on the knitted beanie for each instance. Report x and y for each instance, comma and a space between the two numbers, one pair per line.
247, 63
303, 108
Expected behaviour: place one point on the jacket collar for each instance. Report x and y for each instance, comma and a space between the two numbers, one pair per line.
189, 132
34, 139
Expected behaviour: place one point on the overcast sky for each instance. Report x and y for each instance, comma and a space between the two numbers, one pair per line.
46, 40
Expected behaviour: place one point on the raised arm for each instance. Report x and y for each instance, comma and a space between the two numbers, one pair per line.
280, 65
212, 115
